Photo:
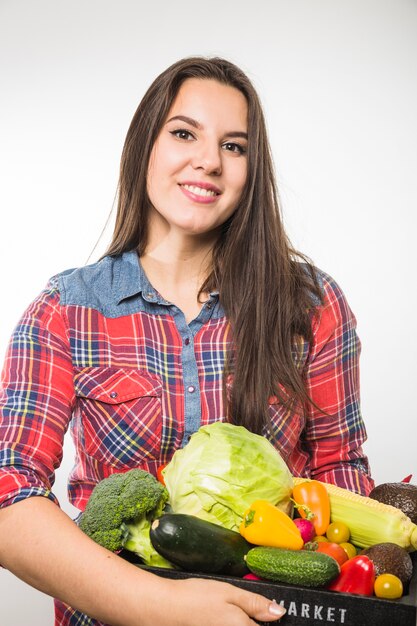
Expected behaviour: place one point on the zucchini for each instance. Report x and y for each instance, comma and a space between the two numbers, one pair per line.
196, 545
296, 567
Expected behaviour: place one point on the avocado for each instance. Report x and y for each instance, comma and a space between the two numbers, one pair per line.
388, 558
401, 495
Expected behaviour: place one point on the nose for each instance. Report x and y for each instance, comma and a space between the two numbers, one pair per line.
208, 158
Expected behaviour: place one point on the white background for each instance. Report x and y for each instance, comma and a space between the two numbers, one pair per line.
338, 83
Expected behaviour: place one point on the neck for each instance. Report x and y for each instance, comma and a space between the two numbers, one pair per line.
177, 255
178, 278
180, 264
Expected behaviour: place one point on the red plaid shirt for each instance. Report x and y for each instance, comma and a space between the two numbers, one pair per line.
101, 352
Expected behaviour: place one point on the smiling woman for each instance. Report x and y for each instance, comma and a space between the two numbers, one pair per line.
199, 312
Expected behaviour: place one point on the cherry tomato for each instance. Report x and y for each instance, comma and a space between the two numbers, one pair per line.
388, 586
159, 474
320, 538
349, 548
334, 550
338, 532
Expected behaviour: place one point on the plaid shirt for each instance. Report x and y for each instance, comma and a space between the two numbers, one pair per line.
101, 352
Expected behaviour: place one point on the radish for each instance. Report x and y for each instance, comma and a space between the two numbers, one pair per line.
251, 577
306, 528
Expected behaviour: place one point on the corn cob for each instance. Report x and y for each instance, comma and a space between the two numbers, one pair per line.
368, 520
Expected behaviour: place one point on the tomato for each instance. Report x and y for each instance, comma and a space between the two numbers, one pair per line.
334, 550
349, 548
338, 532
388, 586
320, 538
159, 474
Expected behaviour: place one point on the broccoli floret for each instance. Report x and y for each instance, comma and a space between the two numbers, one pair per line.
120, 511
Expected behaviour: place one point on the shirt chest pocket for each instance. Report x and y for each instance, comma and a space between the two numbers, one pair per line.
120, 414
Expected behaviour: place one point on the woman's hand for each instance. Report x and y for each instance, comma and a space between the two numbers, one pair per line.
193, 602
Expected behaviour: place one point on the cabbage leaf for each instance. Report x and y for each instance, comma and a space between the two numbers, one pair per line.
222, 470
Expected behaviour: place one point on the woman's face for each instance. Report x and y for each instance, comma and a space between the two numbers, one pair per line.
198, 164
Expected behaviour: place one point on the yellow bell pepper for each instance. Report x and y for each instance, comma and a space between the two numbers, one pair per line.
264, 524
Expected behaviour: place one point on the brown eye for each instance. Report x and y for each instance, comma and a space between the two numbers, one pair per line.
183, 134
231, 146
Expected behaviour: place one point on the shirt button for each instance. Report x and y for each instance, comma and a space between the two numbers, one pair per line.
191, 389
113, 394
186, 341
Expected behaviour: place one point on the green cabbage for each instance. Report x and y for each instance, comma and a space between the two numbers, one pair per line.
222, 470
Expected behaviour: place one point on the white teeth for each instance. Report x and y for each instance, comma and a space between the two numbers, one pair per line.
199, 191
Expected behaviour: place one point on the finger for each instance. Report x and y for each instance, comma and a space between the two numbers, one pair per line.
259, 607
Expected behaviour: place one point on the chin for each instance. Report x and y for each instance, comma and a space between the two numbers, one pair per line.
197, 229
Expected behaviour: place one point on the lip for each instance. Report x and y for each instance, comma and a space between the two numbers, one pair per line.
202, 185
194, 183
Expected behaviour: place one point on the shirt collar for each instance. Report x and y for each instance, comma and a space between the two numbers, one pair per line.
131, 280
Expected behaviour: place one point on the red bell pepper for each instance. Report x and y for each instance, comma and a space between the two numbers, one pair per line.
357, 575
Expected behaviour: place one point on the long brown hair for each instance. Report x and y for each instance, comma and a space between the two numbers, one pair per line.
267, 294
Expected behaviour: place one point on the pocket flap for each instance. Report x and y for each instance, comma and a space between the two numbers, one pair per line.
115, 385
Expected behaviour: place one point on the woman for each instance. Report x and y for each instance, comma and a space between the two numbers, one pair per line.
200, 311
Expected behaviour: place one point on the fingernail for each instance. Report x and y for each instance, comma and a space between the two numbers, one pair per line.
276, 609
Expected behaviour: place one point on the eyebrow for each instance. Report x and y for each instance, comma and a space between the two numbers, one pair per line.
195, 124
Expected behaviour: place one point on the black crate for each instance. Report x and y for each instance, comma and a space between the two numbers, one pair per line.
317, 607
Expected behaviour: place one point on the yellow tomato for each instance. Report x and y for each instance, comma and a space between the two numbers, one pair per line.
320, 538
349, 548
388, 586
338, 532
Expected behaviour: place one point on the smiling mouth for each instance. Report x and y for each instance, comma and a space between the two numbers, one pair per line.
199, 191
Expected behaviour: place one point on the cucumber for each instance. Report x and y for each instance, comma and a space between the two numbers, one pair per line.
296, 567
196, 545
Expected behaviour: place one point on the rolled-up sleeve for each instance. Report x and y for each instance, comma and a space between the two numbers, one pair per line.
36, 400
335, 432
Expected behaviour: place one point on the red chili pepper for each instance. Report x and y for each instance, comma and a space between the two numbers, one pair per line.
159, 474
357, 575
407, 479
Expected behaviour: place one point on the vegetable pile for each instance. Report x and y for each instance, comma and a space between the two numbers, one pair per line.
227, 504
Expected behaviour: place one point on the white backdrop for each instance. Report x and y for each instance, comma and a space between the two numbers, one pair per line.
338, 83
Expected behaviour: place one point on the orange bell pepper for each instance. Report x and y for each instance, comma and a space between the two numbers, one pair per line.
264, 524
312, 502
